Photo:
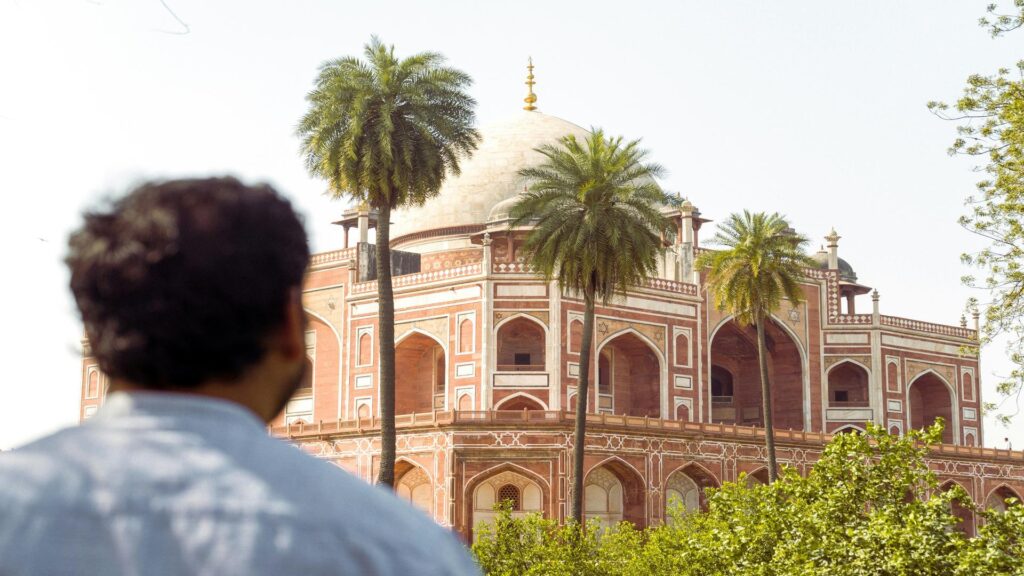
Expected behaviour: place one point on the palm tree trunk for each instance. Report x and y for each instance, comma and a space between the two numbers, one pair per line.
386, 355
766, 400
579, 440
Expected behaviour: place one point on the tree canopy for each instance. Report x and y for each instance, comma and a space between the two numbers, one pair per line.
990, 114
869, 507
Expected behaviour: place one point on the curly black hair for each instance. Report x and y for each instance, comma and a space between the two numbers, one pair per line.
181, 281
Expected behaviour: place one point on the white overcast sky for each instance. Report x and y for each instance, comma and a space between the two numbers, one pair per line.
815, 109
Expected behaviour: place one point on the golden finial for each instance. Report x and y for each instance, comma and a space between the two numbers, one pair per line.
531, 98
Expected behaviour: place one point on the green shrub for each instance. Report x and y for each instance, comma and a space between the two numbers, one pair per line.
869, 507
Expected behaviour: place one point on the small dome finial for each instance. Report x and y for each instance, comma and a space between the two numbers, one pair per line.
531, 98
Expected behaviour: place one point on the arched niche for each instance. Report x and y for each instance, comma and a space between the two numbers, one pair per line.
521, 345
848, 386
613, 492
734, 353
929, 397
629, 376
420, 374
575, 336
524, 494
414, 486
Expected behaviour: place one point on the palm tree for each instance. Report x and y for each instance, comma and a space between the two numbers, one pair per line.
387, 131
761, 263
597, 231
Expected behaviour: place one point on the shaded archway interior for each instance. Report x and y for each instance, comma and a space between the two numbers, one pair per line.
419, 375
629, 377
521, 346
930, 398
736, 380
848, 386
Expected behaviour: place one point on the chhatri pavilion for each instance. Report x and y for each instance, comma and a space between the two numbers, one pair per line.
487, 358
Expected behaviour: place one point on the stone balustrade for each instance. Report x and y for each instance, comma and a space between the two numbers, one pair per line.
563, 421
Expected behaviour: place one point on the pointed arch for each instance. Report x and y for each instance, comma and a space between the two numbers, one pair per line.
481, 492
732, 348
701, 477
414, 484
960, 510
521, 344
848, 428
996, 499
928, 396
614, 490
342, 396
635, 386
421, 372
521, 397
758, 476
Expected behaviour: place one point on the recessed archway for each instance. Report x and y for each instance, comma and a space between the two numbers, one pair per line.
736, 376
521, 345
848, 386
613, 492
521, 493
997, 499
413, 485
929, 398
960, 510
420, 374
685, 487
629, 376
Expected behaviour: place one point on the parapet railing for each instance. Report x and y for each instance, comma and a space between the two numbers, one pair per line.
420, 278
919, 326
672, 286
565, 419
332, 257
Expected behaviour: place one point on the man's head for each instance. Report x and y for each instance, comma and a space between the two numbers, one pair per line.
194, 286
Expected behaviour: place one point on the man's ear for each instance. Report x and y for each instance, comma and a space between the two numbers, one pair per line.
292, 335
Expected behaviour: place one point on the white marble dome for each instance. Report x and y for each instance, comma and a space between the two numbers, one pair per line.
489, 176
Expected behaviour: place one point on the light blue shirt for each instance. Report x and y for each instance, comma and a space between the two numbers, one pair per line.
162, 484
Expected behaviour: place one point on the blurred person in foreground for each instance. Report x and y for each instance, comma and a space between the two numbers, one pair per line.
190, 292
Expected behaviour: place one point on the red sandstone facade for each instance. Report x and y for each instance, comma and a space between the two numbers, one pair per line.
488, 364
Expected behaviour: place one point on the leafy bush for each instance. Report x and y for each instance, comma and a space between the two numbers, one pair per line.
869, 507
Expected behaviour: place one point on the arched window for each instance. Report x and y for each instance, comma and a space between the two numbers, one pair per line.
509, 493
465, 402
